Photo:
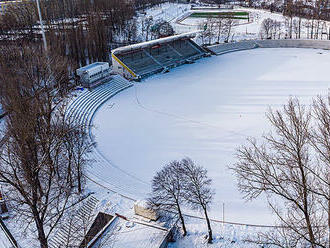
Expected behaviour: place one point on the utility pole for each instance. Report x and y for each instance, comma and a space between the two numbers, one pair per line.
42, 26
223, 214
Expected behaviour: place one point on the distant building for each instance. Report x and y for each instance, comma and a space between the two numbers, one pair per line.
94, 74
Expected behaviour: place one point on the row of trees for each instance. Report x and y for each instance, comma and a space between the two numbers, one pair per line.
310, 9
294, 28
316, 9
217, 29
223, 29
42, 155
83, 30
182, 183
303, 19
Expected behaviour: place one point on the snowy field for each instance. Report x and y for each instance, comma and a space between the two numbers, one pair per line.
252, 27
177, 15
205, 111
4, 242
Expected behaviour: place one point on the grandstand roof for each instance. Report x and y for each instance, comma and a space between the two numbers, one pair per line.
154, 42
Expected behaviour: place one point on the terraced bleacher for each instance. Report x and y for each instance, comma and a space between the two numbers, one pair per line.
165, 55
139, 62
81, 109
232, 47
284, 43
188, 49
72, 232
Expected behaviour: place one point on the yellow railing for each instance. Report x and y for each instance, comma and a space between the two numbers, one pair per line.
125, 66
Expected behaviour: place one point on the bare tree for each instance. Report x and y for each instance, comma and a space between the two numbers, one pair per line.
198, 192
147, 23
39, 165
267, 27
77, 145
292, 168
211, 24
296, 28
205, 33
82, 30
167, 191
228, 28
320, 140
18, 21
219, 27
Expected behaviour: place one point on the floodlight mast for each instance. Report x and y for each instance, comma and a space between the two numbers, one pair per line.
42, 26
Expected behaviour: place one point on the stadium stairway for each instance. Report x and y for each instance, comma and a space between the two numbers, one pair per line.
81, 108
232, 47
72, 233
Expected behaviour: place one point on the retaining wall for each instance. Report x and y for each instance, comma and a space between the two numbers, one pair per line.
251, 44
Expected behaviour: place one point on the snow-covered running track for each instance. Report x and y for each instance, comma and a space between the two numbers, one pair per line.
205, 111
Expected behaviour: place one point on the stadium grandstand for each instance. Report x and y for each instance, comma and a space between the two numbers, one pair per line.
147, 58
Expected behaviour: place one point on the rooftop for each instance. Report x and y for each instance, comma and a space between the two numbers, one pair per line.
154, 42
90, 66
126, 234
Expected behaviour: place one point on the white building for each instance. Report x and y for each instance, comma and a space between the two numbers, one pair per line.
94, 74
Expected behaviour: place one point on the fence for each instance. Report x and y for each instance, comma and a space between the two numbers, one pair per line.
250, 44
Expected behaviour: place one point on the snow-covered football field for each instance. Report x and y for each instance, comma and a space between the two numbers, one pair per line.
205, 111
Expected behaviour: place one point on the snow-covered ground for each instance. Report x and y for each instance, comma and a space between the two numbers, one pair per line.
176, 14
226, 236
167, 11
246, 28
251, 29
4, 241
204, 111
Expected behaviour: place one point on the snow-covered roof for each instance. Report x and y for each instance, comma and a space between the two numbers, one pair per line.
6, 239
154, 42
92, 67
141, 203
126, 234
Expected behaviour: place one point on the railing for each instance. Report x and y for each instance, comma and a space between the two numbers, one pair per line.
251, 44
9, 236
